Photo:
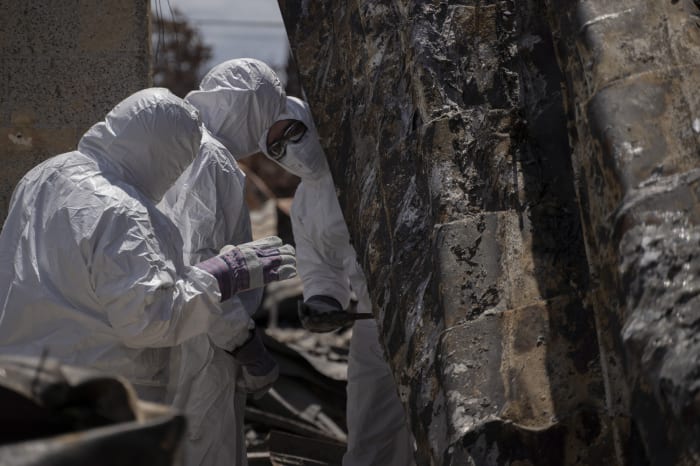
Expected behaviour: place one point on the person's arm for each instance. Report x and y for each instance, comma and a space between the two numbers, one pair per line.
208, 206
322, 241
151, 304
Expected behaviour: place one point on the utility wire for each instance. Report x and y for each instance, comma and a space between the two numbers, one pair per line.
175, 26
237, 22
159, 27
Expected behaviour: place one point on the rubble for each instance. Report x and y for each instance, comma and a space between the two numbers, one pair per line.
58, 415
301, 420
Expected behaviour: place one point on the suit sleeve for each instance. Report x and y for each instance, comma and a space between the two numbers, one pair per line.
322, 241
151, 304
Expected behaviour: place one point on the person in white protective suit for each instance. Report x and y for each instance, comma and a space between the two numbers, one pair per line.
327, 264
94, 272
207, 204
245, 124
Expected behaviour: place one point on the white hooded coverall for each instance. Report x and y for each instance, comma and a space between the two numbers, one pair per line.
208, 206
238, 100
327, 265
93, 271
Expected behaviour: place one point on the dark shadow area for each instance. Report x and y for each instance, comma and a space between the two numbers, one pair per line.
552, 213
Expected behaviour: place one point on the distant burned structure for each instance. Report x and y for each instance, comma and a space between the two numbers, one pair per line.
521, 182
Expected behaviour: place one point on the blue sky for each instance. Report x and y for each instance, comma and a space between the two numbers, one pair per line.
237, 28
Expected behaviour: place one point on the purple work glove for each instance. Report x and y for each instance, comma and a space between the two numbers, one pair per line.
251, 265
258, 370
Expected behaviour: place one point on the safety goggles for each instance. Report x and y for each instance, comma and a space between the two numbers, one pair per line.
293, 133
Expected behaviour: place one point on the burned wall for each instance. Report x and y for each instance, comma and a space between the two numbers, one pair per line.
63, 66
447, 134
632, 77
519, 334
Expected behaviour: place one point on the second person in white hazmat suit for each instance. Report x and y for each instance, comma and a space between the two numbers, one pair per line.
93, 270
208, 206
327, 265
243, 122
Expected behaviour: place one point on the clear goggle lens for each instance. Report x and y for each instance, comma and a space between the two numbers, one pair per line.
293, 133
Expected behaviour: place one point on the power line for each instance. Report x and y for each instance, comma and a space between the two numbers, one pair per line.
249, 35
237, 22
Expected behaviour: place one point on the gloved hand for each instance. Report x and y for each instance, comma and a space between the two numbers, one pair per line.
258, 370
251, 265
322, 314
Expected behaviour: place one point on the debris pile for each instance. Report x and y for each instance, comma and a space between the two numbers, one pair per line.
301, 420
54, 415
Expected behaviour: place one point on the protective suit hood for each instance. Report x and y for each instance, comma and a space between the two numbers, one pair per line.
148, 139
239, 100
304, 158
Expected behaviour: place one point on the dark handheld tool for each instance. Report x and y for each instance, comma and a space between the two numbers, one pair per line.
321, 320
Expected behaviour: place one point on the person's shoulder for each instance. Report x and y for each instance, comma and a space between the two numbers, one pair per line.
85, 185
90, 185
214, 153
69, 191
54, 181
56, 167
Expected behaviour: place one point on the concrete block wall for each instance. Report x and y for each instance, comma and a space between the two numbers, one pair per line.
63, 66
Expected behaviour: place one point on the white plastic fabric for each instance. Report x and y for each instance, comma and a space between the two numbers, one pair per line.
239, 100
92, 271
207, 205
328, 266
377, 433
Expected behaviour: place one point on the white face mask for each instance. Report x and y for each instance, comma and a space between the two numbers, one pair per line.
305, 158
